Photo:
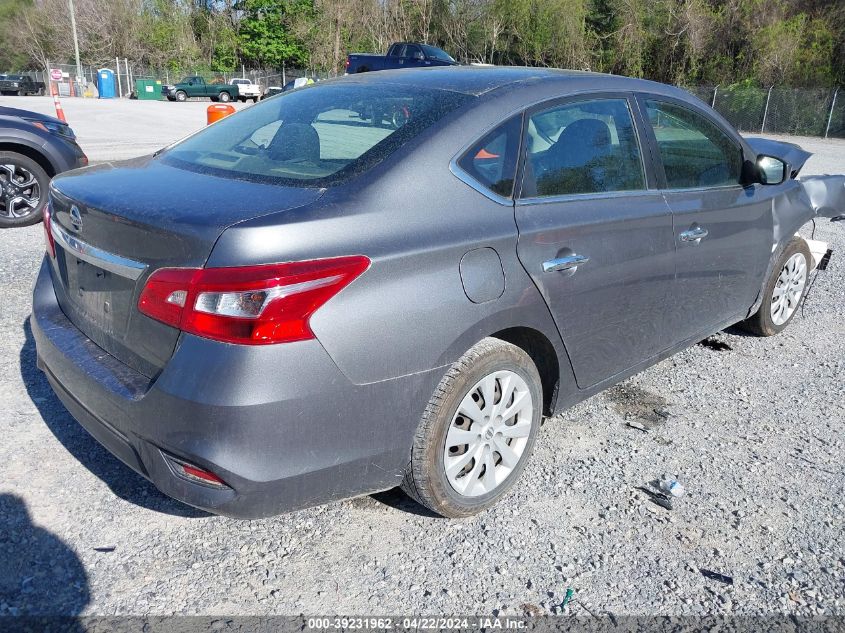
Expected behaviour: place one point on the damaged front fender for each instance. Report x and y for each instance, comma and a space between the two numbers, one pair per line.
814, 197
803, 200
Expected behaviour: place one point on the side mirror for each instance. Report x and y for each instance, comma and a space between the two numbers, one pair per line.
772, 171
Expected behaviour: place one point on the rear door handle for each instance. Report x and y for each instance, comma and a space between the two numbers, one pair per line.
564, 263
694, 235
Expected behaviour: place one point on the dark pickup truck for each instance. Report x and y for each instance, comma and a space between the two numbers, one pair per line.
197, 87
20, 85
399, 55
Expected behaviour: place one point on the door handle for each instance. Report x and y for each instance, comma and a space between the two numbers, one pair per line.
694, 235
570, 262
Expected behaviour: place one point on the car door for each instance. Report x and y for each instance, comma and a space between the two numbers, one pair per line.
723, 230
595, 234
414, 56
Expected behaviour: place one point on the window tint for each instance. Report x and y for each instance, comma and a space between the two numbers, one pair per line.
583, 147
317, 136
695, 152
492, 161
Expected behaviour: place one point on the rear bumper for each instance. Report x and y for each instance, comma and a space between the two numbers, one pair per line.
281, 425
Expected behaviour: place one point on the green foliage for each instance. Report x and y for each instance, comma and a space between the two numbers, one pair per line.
715, 42
10, 56
265, 36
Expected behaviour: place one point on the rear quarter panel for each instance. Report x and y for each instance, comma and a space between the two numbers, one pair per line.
415, 220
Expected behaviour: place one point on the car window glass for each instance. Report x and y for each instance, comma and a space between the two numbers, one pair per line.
583, 147
492, 161
435, 53
400, 50
318, 136
695, 152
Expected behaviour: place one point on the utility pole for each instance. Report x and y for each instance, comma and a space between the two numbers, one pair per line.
75, 40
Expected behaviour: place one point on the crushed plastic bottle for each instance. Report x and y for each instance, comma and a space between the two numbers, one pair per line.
670, 485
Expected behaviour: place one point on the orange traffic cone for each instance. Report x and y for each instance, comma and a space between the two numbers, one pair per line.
60, 114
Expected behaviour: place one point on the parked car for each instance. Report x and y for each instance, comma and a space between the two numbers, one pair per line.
247, 90
20, 85
197, 87
399, 55
272, 91
404, 305
33, 149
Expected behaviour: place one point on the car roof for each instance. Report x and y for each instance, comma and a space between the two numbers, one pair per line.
478, 80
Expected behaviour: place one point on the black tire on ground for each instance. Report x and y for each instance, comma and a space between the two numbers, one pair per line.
425, 478
181, 95
43, 179
255, 99
761, 323
224, 96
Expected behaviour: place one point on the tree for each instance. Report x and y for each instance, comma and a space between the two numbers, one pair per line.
265, 37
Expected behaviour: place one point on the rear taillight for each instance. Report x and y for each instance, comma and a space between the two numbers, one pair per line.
254, 305
48, 231
347, 62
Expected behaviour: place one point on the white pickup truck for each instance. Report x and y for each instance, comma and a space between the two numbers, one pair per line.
247, 90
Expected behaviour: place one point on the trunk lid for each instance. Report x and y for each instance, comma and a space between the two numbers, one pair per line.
116, 224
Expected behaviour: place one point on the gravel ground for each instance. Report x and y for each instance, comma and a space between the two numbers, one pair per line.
754, 433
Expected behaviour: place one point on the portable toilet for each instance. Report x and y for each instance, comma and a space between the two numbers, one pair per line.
105, 83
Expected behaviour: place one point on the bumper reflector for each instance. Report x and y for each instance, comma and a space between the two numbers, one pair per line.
194, 473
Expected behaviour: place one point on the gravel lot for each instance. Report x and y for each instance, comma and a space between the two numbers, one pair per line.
754, 433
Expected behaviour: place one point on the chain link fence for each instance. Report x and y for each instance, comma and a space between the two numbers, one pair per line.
127, 73
749, 108
778, 110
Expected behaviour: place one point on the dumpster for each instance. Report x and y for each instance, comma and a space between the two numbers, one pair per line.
148, 88
105, 83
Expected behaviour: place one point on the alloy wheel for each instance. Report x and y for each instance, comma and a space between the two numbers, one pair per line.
788, 289
20, 193
488, 434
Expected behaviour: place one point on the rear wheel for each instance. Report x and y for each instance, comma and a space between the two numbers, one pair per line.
23, 190
224, 96
784, 290
477, 432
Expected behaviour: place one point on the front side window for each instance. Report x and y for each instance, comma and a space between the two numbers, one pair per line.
582, 147
695, 151
319, 136
492, 161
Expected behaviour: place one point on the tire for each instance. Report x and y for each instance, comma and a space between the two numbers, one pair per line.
181, 96
789, 275
22, 166
255, 99
426, 478
224, 97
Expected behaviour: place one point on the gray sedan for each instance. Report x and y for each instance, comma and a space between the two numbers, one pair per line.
389, 279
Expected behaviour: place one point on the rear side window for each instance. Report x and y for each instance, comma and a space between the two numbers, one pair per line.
315, 136
582, 147
492, 161
695, 152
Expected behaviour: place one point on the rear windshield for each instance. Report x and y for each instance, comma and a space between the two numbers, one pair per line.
317, 136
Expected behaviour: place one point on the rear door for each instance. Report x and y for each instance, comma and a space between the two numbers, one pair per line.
723, 230
595, 234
